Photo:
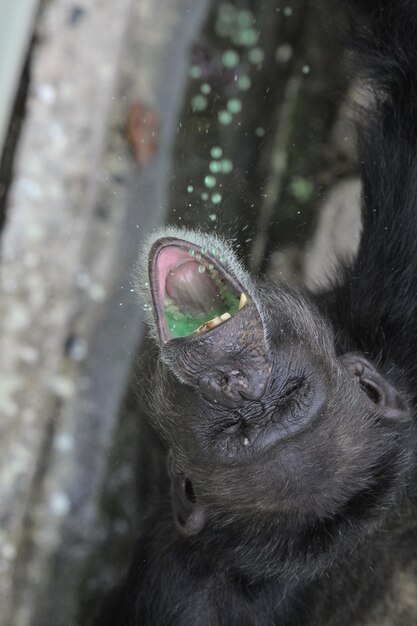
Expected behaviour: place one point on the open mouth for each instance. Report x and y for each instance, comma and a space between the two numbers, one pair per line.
192, 291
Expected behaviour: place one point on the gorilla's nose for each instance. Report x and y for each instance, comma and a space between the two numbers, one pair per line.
230, 385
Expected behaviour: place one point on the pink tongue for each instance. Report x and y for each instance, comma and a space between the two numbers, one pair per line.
191, 290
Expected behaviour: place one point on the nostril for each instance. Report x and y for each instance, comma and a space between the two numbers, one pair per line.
224, 380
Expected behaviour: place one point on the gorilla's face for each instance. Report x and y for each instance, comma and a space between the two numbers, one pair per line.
259, 412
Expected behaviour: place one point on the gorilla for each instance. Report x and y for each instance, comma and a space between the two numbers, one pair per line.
280, 448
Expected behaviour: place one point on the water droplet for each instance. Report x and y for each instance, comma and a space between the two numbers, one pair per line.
284, 53
210, 181
198, 103
205, 89
246, 37
216, 152
230, 58
204, 196
260, 132
227, 166
234, 105
245, 18
213, 218
244, 83
191, 252
190, 188
194, 71
225, 117
256, 56
287, 11
201, 269
215, 167
306, 69
216, 198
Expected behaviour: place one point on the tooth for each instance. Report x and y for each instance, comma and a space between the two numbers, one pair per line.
216, 321
242, 301
208, 325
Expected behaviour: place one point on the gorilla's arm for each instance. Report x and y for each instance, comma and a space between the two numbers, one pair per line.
378, 305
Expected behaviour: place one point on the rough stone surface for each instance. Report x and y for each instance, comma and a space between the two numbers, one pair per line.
77, 212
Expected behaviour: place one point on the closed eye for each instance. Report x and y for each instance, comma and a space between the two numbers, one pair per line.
231, 428
290, 389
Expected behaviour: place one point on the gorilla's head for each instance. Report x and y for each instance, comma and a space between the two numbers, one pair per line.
264, 420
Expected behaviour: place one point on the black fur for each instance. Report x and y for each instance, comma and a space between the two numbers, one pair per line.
289, 496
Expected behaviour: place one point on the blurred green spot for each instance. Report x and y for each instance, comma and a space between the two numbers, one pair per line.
215, 167
225, 117
205, 88
212, 217
234, 105
204, 196
247, 37
190, 188
260, 132
230, 58
256, 55
216, 198
301, 188
245, 18
210, 181
226, 166
198, 103
244, 83
194, 71
216, 152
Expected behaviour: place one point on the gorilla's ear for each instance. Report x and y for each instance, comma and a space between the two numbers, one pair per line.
383, 396
189, 515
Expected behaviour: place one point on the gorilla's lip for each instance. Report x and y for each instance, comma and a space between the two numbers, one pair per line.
191, 288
